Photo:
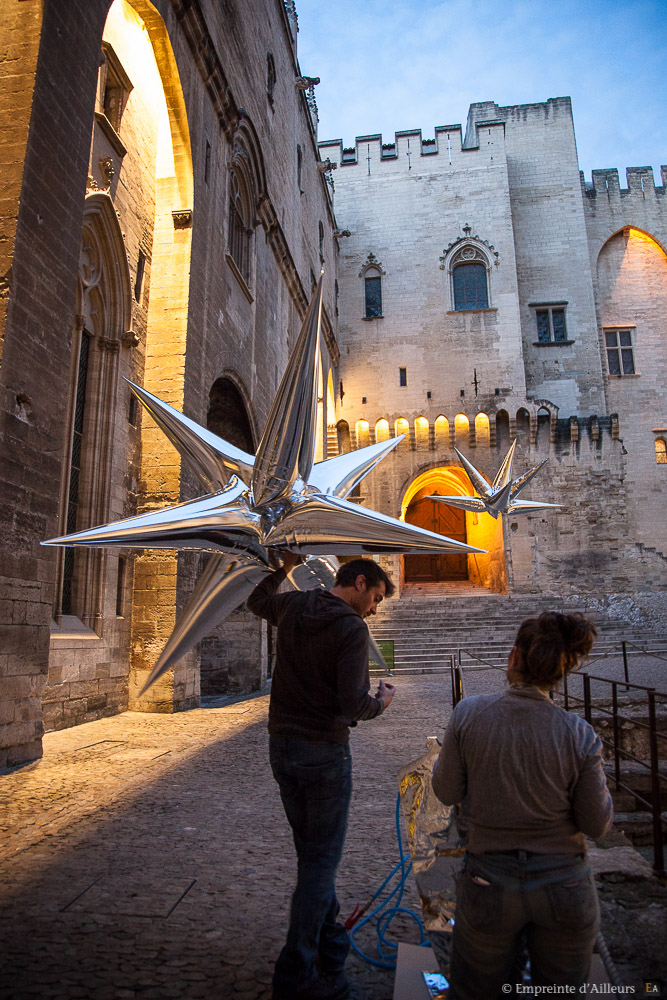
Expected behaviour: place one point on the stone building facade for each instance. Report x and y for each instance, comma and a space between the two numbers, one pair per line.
165, 211
487, 293
163, 219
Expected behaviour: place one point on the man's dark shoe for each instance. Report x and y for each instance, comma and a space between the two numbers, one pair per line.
332, 987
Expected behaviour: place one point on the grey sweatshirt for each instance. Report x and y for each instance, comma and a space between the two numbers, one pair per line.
528, 773
320, 683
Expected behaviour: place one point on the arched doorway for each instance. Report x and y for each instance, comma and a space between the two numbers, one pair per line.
445, 520
486, 569
227, 415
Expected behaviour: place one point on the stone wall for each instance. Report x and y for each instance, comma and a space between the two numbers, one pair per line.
627, 231
45, 107
200, 104
478, 378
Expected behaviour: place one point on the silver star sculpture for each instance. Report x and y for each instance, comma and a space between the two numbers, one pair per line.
501, 496
279, 499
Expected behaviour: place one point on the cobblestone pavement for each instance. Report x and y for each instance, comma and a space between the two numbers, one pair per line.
148, 855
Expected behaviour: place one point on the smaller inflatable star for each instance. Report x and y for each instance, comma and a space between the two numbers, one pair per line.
501, 496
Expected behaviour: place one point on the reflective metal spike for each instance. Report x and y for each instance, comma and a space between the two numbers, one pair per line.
221, 589
501, 497
475, 477
523, 480
286, 450
212, 459
319, 524
339, 475
504, 473
218, 521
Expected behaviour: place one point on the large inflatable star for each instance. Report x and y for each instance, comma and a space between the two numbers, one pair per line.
279, 499
501, 496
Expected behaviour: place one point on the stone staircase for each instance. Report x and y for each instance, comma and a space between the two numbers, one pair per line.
431, 623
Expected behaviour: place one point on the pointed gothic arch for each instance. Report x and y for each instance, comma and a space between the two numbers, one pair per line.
102, 329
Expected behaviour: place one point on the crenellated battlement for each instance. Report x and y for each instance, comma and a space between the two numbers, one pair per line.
640, 180
408, 145
485, 127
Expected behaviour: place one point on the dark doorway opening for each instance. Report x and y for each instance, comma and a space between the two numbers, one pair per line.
444, 520
227, 415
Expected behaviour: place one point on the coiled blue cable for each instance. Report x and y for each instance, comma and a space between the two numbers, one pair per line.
387, 950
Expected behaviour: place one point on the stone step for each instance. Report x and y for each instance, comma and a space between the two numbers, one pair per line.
638, 826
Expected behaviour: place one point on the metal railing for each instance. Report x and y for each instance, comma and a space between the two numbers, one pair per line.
651, 767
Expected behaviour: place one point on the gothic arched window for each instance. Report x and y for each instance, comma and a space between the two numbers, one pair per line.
240, 231
468, 263
470, 287
371, 274
104, 313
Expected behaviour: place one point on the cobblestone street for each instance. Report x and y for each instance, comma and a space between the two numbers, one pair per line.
148, 855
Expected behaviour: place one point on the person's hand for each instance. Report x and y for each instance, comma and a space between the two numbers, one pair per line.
385, 693
290, 560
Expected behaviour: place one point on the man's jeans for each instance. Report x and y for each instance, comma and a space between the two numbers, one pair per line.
315, 781
502, 898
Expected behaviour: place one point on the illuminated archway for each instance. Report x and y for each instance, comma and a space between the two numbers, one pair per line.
421, 432
363, 433
137, 34
481, 530
382, 430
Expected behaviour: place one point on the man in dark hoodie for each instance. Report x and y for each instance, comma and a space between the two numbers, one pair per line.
320, 687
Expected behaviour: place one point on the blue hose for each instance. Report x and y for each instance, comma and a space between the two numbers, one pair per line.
387, 950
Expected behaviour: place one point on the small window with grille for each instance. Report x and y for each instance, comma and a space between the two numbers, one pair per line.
551, 326
620, 352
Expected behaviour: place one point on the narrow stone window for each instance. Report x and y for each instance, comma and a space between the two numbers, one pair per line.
139, 280
373, 296
270, 77
207, 162
321, 236
661, 451
239, 231
299, 166
114, 87
620, 354
470, 287
75, 474
120, 586
402, 376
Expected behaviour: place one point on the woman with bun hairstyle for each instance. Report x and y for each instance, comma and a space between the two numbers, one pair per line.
531, 785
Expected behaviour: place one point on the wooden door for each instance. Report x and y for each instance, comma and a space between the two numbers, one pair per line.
444, 520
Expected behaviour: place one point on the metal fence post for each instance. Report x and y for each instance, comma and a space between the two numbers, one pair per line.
625, 665
658, 851
587, 697
617, 734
